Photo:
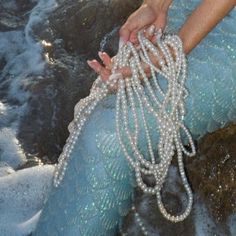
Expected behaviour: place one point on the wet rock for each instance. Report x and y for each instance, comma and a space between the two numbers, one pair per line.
213, 173
71, 35
52, 105
83, 24
173, 196
2, 63
14, 14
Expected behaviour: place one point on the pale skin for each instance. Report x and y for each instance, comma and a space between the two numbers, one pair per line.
154, 12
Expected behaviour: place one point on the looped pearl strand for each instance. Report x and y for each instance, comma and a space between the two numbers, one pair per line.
142, 94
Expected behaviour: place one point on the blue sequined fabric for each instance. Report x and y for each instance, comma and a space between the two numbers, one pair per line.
97, 188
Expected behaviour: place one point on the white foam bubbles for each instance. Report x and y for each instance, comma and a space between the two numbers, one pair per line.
23, 192
10, 149
22, 196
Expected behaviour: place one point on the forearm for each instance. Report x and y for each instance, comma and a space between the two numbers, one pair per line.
203, 19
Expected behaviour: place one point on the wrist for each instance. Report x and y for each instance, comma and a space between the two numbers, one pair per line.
153, 4
157, 5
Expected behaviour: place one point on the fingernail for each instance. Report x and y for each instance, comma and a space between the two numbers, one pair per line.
100, 54
90, 63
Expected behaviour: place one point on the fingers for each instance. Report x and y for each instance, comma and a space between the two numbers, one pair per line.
105, 59
149, 33
105, 70
125, 71
133, 37
101, 70
145, 16
125, 32
139, 19
146, 69
95, 65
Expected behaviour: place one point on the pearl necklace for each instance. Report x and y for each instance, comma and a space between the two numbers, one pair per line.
166, 106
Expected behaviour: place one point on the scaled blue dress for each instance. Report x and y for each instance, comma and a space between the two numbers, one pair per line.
97, 188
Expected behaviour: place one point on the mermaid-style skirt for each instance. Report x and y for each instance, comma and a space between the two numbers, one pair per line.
96, 191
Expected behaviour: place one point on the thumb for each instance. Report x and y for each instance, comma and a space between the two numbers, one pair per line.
125, 32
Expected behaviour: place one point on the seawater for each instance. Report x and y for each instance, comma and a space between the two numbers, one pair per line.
21, 59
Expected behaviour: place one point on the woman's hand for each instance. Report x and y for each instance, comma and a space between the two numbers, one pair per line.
151, 12
104, 69
152, 15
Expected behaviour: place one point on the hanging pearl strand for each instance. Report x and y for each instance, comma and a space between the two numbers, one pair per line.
169, 150
83, 109
166, 106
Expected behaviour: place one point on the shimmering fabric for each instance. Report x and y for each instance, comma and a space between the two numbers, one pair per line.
98, 184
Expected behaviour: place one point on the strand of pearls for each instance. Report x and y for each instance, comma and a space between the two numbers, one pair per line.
82, 110
165, 105
139, 221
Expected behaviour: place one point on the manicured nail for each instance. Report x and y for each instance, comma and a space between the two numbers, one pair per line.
100, 54
89, 62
